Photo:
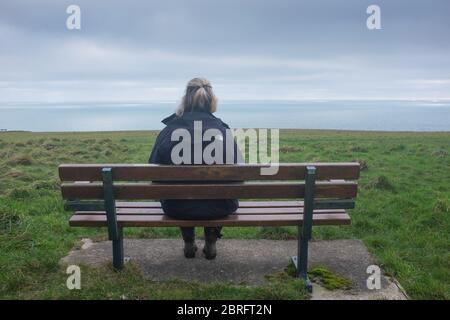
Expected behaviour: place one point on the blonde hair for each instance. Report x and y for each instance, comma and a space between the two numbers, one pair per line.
199, 96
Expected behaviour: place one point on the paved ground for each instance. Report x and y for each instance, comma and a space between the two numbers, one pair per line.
245, 262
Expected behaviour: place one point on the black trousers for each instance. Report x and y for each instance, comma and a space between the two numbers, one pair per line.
211, 233
199, 210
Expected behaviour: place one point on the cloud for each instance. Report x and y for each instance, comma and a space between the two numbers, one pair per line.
135, 50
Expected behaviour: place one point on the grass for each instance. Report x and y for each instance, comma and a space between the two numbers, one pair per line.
103, 282
402, 213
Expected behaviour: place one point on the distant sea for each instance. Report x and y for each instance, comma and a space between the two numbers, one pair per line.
341, 115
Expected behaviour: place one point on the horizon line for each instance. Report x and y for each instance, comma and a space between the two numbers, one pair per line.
222, 100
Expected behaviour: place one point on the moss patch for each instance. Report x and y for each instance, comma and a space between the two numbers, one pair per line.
320, 274
328, 279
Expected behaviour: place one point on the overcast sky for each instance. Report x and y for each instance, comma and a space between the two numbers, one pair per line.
130, 51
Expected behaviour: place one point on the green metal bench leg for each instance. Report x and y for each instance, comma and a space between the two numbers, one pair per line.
302, 264
305, 231
118, 251
300, 261
115, 232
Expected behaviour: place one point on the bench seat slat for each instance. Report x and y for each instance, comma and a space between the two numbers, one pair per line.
99, 205
260, 211
230, 221
242, 204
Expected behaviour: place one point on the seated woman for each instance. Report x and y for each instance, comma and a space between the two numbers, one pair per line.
198, 105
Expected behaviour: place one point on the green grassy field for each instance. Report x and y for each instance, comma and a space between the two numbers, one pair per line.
402, 214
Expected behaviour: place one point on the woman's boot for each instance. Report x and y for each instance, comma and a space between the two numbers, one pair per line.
211, 235
190, 247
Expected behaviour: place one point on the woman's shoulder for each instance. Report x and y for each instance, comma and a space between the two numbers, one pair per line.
220, 121
169, 119
223, 124
184, 120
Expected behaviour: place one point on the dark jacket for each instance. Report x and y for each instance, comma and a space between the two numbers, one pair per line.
161, 154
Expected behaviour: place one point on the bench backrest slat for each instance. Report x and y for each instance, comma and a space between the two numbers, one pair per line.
243, 181
245, 172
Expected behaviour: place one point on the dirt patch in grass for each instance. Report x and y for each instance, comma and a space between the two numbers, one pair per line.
17, 175
287, 149
8, 219
20, 193
22, 160
19, 144
13, 173
440, 153
359, 149
381, 183
46, 184
398, 147
442, 205
363, 164
439, 216
49, 146
96, 147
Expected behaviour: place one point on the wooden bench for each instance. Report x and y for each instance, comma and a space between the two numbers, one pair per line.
110, 195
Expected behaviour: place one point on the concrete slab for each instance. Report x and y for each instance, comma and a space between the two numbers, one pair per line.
245, 262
